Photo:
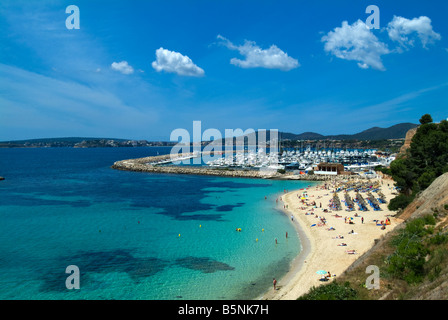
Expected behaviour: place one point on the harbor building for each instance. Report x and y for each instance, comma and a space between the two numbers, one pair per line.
329, 168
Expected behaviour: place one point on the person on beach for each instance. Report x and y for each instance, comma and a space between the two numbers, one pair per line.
274, 282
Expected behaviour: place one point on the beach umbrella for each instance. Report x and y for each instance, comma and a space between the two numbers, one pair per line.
321, 272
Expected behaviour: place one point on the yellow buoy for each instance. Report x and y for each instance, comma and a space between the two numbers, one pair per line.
262, 230
200, 226
179, 234
256, 239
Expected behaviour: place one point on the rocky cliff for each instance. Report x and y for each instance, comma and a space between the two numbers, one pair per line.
432, 199
407, 142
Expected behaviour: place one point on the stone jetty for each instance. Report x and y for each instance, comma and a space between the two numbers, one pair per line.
153, 165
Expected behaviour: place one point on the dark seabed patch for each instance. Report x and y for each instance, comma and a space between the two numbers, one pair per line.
203, 264
229, 207
91, 262
201, 217
145, 267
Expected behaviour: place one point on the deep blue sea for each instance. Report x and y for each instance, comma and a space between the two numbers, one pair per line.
136, 235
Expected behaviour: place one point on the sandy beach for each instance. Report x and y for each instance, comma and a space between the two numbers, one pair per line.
332, 239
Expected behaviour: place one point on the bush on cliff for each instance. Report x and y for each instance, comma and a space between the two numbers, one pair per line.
408, 260
332, 291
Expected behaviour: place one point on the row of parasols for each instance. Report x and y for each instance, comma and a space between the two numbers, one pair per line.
363, 204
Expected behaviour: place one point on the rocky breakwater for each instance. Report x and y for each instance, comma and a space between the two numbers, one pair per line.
153, 165
143, 165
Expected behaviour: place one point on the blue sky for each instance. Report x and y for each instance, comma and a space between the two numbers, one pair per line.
140, 69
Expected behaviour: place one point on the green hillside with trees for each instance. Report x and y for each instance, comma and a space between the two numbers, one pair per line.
424, 161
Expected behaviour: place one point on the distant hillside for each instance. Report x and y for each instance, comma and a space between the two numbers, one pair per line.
69, 140
79, 142
302, 136
397, 131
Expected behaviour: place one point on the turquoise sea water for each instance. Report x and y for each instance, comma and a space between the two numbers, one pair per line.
64, 206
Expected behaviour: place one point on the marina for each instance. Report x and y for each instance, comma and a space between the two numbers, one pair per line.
306, 161
287, 164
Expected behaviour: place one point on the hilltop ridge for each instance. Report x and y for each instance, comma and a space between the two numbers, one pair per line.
397, 131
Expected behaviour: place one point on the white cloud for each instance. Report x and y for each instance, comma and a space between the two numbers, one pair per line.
272, 58
174, 62
403, 31
356, 42
122, 67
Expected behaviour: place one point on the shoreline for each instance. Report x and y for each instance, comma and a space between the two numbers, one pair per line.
320, 248
298, 264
